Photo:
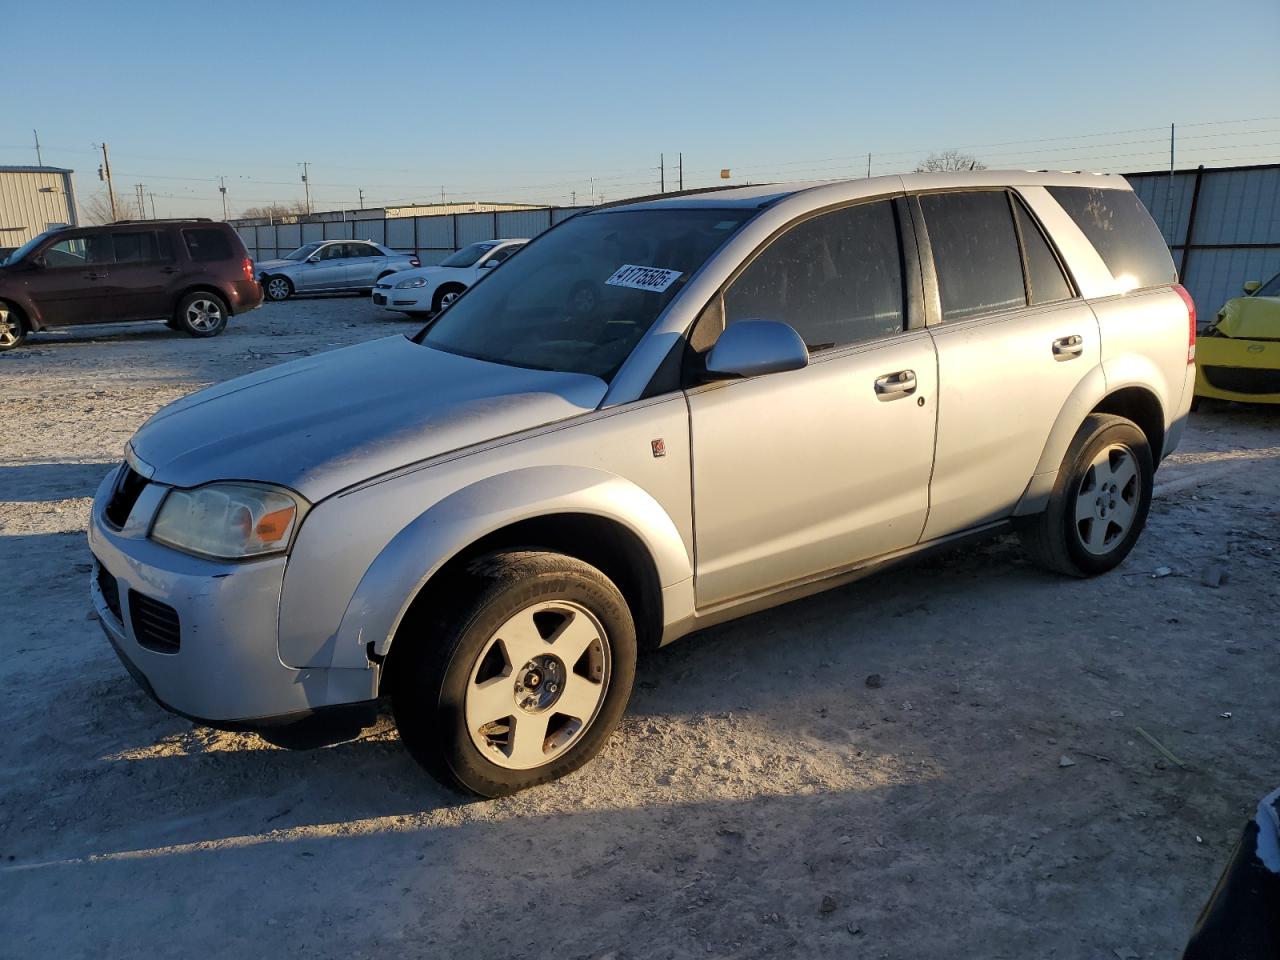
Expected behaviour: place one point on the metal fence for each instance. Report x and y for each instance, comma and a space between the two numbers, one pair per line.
431, 237
1222, 224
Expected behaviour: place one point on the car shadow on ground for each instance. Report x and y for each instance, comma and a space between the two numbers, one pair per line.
36, 482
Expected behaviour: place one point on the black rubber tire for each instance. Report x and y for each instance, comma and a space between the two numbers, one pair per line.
1052, 539
21, 337
1195, 404
266, 289
439, 295
180, 314
431, 661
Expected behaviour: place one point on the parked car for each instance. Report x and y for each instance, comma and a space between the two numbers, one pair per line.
1239, 355
327, 266
420, 293
778, 389
193, 274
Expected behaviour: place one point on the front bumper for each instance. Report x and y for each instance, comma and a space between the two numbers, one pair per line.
226, 669
408, 300
1231, 368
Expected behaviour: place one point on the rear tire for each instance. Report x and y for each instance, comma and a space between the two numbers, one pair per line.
13, 328
277, 289
519, 680
201, 314
1099, 502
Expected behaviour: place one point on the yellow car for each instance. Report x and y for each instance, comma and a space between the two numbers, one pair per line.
1238, 357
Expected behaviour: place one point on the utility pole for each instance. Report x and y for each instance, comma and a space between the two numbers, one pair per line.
140, 192
222, 189
442, 201
573, 198
681, 176
306, 183
104, 173
36, 134
662, 173
152, 197
360, 190
593, 191
868, 166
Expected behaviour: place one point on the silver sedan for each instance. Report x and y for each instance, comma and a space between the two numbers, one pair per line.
326, 266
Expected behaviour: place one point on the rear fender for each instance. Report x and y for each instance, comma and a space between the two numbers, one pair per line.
426, 544
1081, 401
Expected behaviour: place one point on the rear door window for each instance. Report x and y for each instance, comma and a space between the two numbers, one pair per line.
135, 247
975, 253
1123, 233
1046, 282
204, 243
837, 278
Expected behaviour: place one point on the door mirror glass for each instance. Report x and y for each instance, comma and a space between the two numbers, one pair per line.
1252, 285
752, 348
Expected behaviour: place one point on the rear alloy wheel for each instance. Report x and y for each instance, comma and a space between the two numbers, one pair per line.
12, 330
523, 681
1100, 501
201, 314
278, 288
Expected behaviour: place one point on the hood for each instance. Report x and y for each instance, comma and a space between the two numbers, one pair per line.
1250, 318
413, 273
260, 265
326, 422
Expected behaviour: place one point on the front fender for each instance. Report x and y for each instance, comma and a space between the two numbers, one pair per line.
437, 535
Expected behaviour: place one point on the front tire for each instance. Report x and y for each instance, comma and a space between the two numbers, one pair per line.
201, 314
521, 680
277, 289
445, 296
1099, 502
13, 329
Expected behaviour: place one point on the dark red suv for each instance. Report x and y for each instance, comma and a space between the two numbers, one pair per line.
193, 274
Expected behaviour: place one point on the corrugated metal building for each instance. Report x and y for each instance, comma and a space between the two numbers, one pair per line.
33, 199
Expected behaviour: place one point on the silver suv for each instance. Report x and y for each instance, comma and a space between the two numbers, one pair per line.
659, 416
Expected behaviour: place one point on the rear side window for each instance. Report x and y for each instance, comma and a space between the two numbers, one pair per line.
975, 253
1046, 282
1123, 233
207, 244
135, 247
836, 279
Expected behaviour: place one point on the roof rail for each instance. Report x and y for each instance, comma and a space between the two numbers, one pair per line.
164, 220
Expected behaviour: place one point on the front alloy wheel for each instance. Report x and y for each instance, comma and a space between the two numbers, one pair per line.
12, 331
278, 288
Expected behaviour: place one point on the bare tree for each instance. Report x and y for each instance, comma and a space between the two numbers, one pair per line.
97, 209
275, 211
947, 161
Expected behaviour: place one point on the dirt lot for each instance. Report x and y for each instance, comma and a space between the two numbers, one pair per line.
761, 799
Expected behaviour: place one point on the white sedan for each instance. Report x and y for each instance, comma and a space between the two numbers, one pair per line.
429, 290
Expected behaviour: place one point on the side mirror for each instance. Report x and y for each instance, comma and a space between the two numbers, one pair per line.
1251, 285
752, 348
489, 264
314, 258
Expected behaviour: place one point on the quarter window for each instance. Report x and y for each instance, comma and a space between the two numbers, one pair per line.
206, 244
975, 253
1046, 282
836, 278
1123, 233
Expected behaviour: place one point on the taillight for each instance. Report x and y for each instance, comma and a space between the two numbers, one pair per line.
415, 262
1181, 291
247, 266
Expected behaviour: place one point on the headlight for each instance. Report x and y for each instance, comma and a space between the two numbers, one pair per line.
415, 282
230, 521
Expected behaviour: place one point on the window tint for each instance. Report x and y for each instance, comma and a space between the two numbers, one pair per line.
975, 253
207, 244
467, 256
363, 250
134, 247
334, 251
1045, 278
1123, 233
71, 252
837, 278
500, 255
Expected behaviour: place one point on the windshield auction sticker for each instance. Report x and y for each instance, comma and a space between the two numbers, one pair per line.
643, 278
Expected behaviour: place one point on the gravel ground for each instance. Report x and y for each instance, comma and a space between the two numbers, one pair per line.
763, 796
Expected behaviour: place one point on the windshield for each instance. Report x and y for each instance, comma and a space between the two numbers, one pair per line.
304, 251
579, 298
26, 248
468, 255
1269, 289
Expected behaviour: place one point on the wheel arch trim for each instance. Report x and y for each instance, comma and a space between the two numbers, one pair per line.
446, 530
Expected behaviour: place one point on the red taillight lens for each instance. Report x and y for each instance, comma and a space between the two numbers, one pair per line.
1181, 291
248, 268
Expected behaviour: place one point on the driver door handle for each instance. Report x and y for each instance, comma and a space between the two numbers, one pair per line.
894, 386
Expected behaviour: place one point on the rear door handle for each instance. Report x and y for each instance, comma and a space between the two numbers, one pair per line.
893, 386
168, 269
95, 276
1068, 348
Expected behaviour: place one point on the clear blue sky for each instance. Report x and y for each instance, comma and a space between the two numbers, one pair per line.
496, 100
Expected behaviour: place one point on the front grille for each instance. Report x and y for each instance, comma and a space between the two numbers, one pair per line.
110, 591
129, 486
155, 624
1242, 379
